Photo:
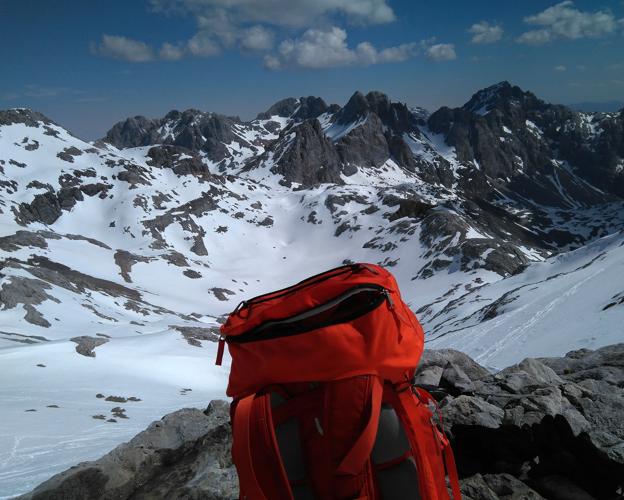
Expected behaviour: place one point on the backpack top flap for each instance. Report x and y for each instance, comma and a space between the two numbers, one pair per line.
345, 322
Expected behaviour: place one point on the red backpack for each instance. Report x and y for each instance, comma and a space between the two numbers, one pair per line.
324, 406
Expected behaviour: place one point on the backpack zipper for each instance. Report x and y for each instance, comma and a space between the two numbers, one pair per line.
313, 319
312, 280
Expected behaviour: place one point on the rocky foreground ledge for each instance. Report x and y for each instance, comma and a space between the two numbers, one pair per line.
544, 428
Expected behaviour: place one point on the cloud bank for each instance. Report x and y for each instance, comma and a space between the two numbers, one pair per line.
564, 21
252, 27
328, 48
125, 49
441, 52
484, 32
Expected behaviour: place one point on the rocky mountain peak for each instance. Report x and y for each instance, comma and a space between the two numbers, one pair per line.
23, 115
305, 156
377, 99
500, 96
357, 107
394, 115
133, 132
192, 129
174, 114
304, 108
310, 107
192, 113
284, 108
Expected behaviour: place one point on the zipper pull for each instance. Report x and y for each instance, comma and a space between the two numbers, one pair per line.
389, 299
240, 306
397, 315
220, 350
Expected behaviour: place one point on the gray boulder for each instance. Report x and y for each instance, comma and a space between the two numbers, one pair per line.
496, 487
442, 357
468, 410
184, 455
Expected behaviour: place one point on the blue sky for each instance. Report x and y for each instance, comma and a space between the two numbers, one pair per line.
87, 64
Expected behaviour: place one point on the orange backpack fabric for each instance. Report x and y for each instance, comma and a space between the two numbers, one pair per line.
323, 404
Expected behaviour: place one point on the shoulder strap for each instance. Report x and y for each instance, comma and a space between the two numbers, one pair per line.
256, 453
256, 411
431, 448
447, 450
355, 458
405, 405
451, 469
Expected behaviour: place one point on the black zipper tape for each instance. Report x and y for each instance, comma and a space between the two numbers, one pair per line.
351, 304
312, 280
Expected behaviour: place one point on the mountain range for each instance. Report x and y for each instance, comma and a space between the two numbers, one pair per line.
502, 220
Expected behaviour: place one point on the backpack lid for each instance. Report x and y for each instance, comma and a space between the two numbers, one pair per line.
305, 295
345, 322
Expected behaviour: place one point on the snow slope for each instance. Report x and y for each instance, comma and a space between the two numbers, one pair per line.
570, 301
147, 254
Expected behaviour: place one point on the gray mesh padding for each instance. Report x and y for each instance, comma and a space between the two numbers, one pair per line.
276, 399
302, 492
399, 482
391, 441
289, 442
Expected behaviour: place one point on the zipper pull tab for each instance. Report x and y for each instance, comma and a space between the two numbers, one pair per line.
389, 299
220, 350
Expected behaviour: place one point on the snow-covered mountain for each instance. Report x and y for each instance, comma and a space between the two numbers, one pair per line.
502, 220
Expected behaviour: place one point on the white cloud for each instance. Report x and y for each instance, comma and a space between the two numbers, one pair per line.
328, 48
257, 38
484, 32
284, 13
563, 20
400, 52
535, 37
315, 49
202, 45
442, 52
171, 52
126, 49
120, 47
272, 62
250, 24
561, 68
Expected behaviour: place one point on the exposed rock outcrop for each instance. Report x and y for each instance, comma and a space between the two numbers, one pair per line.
544, 428
192, 129
184, 455
304, 108
508, 133
86, 345
303, 154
